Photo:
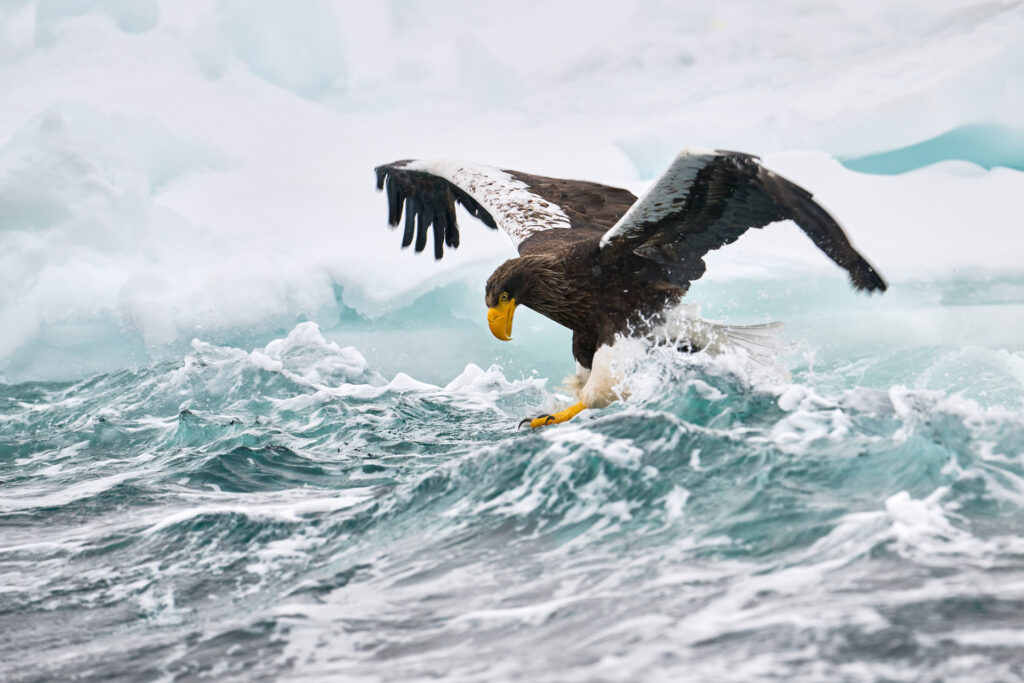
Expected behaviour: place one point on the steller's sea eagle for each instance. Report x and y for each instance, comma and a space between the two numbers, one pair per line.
595, 258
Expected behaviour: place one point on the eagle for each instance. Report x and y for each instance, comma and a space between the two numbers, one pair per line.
596, 259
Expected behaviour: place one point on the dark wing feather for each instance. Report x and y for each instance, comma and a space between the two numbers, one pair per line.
708, 199
530, 209
428, 201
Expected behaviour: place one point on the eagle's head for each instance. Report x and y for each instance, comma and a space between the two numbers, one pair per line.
535, 281
507, 287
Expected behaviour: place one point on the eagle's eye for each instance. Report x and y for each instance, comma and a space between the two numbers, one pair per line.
503, 297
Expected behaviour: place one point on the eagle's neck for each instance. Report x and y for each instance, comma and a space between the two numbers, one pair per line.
555, 293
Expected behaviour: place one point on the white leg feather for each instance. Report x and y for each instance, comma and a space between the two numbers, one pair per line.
574, 384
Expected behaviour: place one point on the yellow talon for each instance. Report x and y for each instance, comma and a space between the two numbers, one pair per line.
559, 417
541, 421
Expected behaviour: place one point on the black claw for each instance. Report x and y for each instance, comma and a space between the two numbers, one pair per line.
527, 420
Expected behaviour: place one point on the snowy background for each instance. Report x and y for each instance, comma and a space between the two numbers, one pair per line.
172, 170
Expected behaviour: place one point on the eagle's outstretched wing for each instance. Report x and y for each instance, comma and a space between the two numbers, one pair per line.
707, 199
519, 203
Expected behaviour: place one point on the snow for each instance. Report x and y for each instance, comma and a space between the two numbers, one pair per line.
171, 170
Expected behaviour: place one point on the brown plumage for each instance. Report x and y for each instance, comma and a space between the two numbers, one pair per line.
595, 259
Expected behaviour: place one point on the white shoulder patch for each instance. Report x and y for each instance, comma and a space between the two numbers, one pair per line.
665, 195
515, 209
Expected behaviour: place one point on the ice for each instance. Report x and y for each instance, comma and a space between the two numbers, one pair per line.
298, 46
984, 144
847, 79
174, 170
133, 16
163, 155
69, 165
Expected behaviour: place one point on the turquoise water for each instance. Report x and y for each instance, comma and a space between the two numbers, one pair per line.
986, 144
299, 512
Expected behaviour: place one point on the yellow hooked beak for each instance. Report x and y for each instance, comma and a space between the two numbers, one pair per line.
499, 319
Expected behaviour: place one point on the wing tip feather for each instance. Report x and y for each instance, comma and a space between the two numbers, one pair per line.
866, 280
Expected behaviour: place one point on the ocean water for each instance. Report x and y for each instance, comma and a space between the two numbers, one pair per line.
848, 511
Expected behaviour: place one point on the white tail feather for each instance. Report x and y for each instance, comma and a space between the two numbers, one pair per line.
761, 342
683, 325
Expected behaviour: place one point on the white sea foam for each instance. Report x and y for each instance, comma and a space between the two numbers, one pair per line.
29, 498
306, 354
263, 506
